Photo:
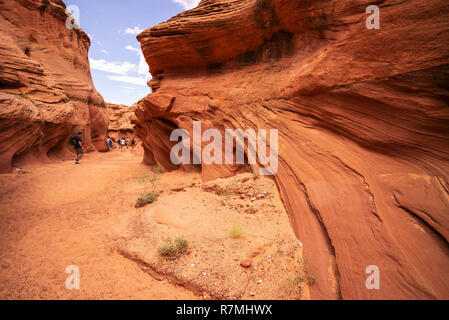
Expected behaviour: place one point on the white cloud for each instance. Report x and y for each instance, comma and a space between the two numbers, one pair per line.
129, 89
143, 66
135, 30
128, 47
130, 73
131, 80
105, 51
121, 68
187, 4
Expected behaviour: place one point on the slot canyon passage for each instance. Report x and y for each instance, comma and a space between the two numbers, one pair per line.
363, 155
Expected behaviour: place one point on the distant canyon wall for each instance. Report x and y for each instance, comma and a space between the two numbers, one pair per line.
362, 116
121, 118
46, 89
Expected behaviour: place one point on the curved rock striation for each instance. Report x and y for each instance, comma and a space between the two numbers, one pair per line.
363, 122
46, 89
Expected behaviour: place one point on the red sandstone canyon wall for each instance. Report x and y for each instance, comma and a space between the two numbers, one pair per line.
121, 118
363, 122
46, 89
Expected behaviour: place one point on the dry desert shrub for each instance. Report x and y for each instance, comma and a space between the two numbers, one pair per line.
173, 249
147, 198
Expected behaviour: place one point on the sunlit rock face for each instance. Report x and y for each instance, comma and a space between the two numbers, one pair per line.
46, 89
362, 116
121, 119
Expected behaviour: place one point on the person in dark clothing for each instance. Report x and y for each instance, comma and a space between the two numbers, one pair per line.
78, 145
133, 142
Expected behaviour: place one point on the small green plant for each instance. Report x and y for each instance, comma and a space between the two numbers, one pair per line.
236, 230
306, 274
173, 249
181, 244
147, 198
303, 276
167, 249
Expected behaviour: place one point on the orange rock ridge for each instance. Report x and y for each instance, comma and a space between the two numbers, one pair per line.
363, 124
46, 89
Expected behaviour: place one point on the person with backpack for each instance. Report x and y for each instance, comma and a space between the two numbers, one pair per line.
77, 144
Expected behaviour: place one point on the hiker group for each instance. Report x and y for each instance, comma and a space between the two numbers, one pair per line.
123, 144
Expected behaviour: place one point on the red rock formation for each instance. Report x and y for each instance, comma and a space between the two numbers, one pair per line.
120, 120
46, 90
363, 123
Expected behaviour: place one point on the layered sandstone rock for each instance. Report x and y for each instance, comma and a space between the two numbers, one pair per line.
121, 119
46, 90
363, 122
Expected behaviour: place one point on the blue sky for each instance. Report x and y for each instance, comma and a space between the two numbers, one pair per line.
118, 69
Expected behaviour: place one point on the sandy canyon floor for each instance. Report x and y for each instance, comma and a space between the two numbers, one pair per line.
240, 243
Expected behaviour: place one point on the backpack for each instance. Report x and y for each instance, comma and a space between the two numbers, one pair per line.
73, 140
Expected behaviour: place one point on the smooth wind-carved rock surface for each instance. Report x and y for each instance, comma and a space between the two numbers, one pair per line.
46, 90
363, 122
